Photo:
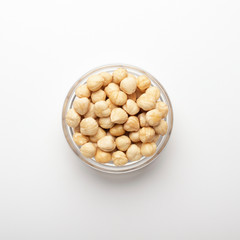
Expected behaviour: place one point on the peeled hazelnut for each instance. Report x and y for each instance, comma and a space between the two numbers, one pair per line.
88, 150
102, 157
106, 123
146, 134
118, 98
132, 96
146, 102
106, 144
119, 158
154, 117
110, 88
81, 105
119, 74
128, 85
134, 136
83, 91
154, 91
88, 126
100, 134
107, 78
131, 107
110, 104
143, 83
161, 128
101, 109
119, 116
139, 144
132, 124
117, 130
148, 149
72, 118
123, 143
77, 129
162, 107
156, 137
80, 139
99, 95
133, 153
142, 120
90, 112
109, 134
95, 82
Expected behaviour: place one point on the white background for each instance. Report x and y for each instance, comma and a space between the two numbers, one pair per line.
192, 191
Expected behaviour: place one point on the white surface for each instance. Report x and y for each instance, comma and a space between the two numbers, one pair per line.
192, 191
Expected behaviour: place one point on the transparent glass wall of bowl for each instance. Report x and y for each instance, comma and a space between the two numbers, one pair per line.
110, 167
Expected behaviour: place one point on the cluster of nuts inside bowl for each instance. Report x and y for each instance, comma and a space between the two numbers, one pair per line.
117, 117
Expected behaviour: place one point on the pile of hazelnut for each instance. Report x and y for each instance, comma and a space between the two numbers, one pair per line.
117, 117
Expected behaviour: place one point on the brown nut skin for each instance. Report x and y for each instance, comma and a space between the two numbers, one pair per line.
134, 136
162, 107
118, 98
161, 128
81, 105
100, 134
128, 85
132, 124
132, 96
106, 144
106, 123
80, 139
72, 118
146, 134
119, 158
119, 74
110, 88
82, 91
133, 153
148, 149
131, 107
123, 143
102, 157
97, 96
88, 126
119, 116
88, 150
146, 102
95, 82
153, 91
107, 78
143, 83
101, 109
154, 117
90, 112
117, 130
142, 120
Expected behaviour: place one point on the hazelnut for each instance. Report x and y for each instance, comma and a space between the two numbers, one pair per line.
80, 139
138, 93
119, 116
132, 124
77, 129
106, 144
131, 107
106, 123
110, 104
123, 143
72, 118
156, 137
88, 126
88, 150
148, 149
161, 128
142, 120
139, 144
99, 95
154, 117
143, 83
117, 130
107, 78
119, 158
162, 107
95, 82
133, 153
100, 134
146, 134
82, 91
119, 74
81, 105
128, 85
132, 96
102, 157
109, 134
153, 91
146, 102
118, 98
101, 109
134, 136
90, 112
110, 88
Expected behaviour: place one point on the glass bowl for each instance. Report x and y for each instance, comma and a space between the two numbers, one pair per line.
110, 167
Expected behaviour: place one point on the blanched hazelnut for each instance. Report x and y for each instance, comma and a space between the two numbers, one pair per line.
117, 130
101, 109
142, 120
106, 144
134, 136
82, 91
123, 143
148, 149
162, 107
146, 134
146, 102
109, 134
132, 96
153, 91
154, 117
132, 124
95, 82
90, 112
102, 157
119, 74
143, 83
133, 153
77, 129
100, 134
107, 78
131, 107
119, 158
81, 105
128, 85
156, 137
106, 123
118, 98
110, 104
119, 116
110, 88
99, 95
139, 144
88, 150
88, 126
161, 128
80, 139
72, 118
